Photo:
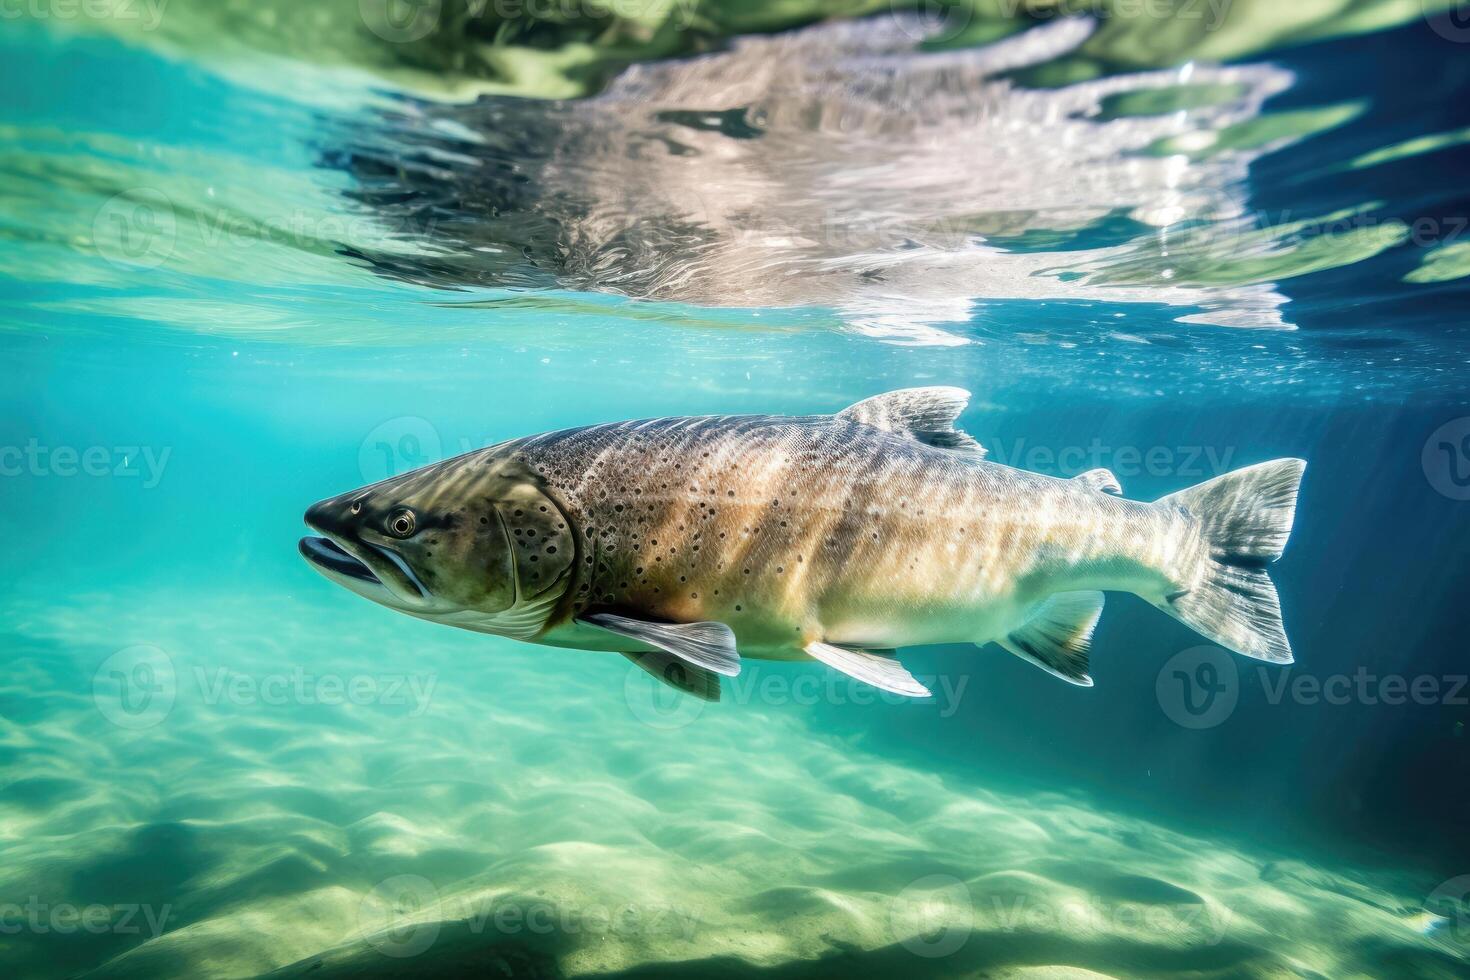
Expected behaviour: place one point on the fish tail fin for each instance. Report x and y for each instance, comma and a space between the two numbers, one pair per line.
1238, 524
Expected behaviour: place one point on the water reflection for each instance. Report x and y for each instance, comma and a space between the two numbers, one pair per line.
841, 166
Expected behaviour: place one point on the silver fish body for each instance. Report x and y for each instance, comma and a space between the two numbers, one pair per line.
829, 536
799, 529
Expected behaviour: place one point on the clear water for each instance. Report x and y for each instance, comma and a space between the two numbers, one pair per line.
254, 255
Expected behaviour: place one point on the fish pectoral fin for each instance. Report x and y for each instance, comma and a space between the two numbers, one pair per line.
1058, 636
707, 645
925, 415
884, 673
679, 673
1101, 479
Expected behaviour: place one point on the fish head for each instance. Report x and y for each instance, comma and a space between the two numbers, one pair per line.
475, 541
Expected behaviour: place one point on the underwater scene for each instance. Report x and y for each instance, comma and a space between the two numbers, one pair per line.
663, 488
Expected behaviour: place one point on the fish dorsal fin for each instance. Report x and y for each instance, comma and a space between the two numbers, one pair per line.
884, 673
707, 645
1101, 479
679, 674
923, 414
1058, 635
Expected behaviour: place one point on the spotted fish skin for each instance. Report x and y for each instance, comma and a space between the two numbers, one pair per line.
708, 539
799, 529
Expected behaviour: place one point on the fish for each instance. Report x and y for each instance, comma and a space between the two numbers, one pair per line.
689, 544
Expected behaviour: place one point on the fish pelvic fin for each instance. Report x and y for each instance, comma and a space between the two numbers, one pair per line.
679, 673
1243, 520
1058, 636
883, 672
925, 415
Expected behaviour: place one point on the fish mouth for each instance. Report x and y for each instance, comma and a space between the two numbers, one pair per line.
327, 556
367, 569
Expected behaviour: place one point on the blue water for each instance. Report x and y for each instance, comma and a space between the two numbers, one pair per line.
229, 289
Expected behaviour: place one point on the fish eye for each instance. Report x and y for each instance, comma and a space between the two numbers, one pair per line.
356, 507
401, 524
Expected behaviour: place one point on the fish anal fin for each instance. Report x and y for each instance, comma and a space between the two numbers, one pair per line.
884, 673
679, 674
1101, 479
926, 415
707, 645
1058, 636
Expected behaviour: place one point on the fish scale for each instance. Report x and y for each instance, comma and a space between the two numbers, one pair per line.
711, 538
805, 524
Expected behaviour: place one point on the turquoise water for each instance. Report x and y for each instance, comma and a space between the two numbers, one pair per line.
240, 272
